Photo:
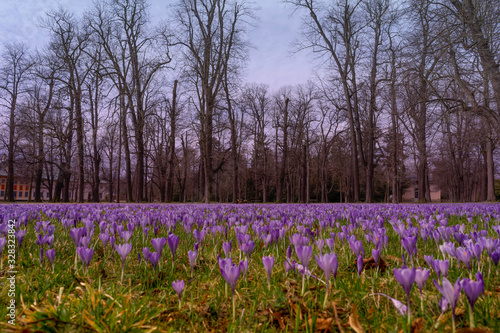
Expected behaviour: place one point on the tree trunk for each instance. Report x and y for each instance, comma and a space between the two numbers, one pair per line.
10, 157
396, 192
284, 162
173, 116
279, 183
264, 182
128, 167
79, 142
110, 175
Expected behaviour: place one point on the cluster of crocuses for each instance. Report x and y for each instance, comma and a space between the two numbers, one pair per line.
469, 251
109, 233
306, 228
407, 277
158, 244
45, 237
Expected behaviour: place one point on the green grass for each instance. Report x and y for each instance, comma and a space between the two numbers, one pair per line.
71, 300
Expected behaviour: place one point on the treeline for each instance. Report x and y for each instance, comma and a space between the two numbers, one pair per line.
406, 93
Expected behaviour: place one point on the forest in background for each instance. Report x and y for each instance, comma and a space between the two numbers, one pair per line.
406, 92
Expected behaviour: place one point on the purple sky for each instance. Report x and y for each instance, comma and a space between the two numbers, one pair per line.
271, 62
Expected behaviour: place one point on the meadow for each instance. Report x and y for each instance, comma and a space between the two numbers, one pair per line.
250, 268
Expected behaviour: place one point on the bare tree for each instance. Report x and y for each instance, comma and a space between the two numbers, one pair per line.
68, 44
478, 18
16, 65
212, 34
134, 59
174, 115
472, 48
334, 31
332, 117
281, 121
378, 18
96, 90
257, 104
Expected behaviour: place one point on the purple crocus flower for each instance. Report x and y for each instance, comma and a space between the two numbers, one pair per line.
443, 305
473, 289
489, 244
421, 276
496, 228
268, 265
289, 265
112, 241
173, 242
248, 248
406, 278
226, 246
437, 237
178, 287
126, 235
360, 264
495, 257
40, 240
104, 237
441, 267
357, 247
123, 251
451, 293
159, 243
85, 241
199, 235
145, 231
304, 254
402, 309
331, 243
224, 262
376, 255
464, 256
153, 258
244, 266
429, 259
49, 240
329, 264
145, 253
51, 255
320, 243
243, 238
192, 255
230, 272
76, 234
38, 228
266, 239
299, 240
85, 255
102, 226
448, 248
410, 245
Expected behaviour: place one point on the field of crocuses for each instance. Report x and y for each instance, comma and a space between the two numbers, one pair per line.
265, 268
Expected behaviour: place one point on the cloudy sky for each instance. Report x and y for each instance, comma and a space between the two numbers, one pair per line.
271, 61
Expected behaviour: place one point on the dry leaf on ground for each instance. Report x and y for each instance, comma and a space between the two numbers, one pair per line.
354, 321
323, 324
417, 325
